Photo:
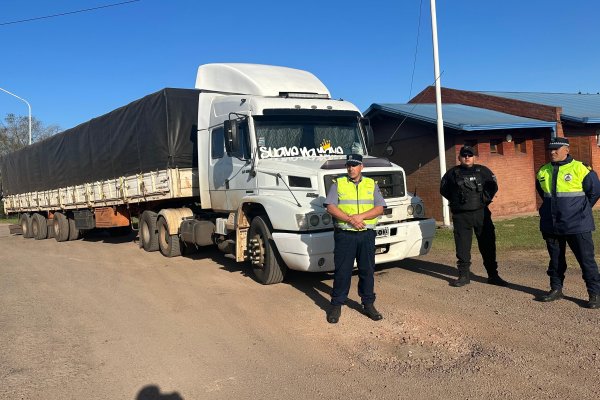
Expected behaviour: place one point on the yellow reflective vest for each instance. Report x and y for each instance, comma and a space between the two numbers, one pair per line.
356, 199
566, 207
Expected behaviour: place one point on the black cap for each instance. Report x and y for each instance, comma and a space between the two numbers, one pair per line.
354, 159
466, 151
557, 143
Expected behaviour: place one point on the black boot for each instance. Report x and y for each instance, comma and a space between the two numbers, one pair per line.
594, 301
464, 278
372, 312
495, 279
552, 295
333, 314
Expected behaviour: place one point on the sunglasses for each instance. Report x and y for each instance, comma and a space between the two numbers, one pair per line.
467, 155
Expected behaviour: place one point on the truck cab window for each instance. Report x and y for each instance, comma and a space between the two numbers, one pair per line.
217, 143
244, 144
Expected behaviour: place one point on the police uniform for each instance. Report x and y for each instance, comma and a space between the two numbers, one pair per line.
354, 244
569, 190
469, 190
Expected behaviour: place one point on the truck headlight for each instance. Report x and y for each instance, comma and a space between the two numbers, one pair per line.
419, 209
410, 210
314, 220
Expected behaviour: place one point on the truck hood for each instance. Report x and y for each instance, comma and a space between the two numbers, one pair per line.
295, 165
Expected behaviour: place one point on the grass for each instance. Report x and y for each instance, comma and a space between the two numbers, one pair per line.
520, 233
8, 220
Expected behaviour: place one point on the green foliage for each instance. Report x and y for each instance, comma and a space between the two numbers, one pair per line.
14, 132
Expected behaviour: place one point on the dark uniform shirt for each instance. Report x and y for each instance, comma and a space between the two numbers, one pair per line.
468, 189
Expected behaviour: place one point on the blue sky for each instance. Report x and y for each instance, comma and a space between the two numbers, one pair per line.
75, 67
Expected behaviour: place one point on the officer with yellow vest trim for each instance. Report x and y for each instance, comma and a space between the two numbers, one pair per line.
569, 190
354, 202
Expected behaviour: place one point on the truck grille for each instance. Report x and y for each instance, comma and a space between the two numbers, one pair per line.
390, 184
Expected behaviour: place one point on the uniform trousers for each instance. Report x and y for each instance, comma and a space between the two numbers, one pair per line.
480, 222
350, 246
582, 246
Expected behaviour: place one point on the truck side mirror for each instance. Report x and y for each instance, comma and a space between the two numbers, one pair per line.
231, 135
370, 139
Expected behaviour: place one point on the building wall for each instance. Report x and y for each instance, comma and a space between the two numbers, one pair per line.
415, 149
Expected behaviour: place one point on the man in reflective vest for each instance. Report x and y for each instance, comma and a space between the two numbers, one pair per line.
354, 202
569, 190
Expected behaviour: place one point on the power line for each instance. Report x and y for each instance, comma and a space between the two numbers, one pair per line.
67, 13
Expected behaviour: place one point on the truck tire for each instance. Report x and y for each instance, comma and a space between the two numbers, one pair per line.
74, 233
25, 222
39, 227
61, 227
148, 231
267, 265
170, 246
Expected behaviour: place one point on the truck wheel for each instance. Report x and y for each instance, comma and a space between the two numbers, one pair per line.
148, 231
61, 227
25, 222
267, 265
39, 227
74, 233
169, 244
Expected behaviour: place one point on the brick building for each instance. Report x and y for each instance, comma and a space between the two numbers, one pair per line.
509, 131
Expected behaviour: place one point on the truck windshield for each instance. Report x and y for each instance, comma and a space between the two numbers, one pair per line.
310, 136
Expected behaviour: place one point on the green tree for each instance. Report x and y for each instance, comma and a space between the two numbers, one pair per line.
14, 135
14, 132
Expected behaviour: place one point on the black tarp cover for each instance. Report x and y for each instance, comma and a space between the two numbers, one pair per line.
153, 133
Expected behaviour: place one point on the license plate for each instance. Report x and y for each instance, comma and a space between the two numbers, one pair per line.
382, 231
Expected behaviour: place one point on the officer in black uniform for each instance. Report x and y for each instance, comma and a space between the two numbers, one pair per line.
470, 188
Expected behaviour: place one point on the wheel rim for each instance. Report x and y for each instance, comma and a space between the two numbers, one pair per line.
163, 236
257, 251
56, 226
145, 232
24, 227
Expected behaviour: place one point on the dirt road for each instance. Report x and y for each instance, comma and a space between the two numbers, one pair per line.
101, 319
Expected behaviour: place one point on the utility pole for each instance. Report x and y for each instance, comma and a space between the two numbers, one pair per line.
438, 107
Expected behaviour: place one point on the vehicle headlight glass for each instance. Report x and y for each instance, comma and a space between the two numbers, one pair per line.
314, 220
419, 209
410, 210
302, 221
326, 219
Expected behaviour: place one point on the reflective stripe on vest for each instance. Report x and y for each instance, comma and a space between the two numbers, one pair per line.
356, 199
569, 180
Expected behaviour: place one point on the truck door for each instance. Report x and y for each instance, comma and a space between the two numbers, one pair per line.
229, 177
239, 183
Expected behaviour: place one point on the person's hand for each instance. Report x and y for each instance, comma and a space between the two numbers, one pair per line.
357, 221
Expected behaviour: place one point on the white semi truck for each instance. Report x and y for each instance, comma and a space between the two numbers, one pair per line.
244, 161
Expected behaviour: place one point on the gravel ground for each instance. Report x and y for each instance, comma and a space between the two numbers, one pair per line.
101, 319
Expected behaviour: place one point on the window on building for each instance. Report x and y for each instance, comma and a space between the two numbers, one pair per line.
520, 146
496, 146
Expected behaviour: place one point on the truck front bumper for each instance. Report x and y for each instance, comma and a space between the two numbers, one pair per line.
313, 252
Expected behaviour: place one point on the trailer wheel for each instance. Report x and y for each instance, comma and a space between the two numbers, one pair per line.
267, 265
61, 227
74, 233
148, 231
25, 222
170, 245
39, 227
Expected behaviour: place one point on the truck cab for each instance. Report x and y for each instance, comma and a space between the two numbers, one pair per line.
271, 141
